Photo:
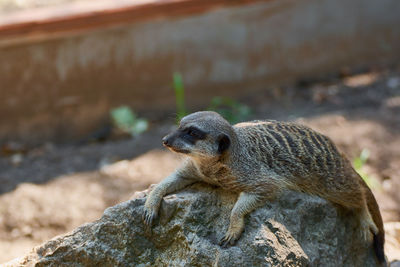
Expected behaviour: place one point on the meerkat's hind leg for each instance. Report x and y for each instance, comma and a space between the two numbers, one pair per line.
357, 202
246, 203
367, 224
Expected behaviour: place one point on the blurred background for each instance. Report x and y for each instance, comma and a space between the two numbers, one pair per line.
88, 89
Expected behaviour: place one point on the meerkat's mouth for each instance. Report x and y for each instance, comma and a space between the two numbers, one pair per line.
178, 150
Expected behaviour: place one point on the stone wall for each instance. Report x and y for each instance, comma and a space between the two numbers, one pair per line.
62, 85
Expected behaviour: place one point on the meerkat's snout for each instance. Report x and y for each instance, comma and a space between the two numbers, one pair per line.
174, 142
165, 141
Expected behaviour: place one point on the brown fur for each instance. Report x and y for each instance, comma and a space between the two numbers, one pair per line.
259, 159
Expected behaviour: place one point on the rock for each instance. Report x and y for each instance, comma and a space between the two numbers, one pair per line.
295, 230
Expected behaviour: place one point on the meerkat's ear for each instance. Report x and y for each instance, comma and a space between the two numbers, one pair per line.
223, 143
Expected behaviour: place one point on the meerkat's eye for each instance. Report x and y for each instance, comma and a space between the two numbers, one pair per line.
195, 133
192, 132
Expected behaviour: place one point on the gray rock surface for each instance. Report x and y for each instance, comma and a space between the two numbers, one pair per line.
295, 230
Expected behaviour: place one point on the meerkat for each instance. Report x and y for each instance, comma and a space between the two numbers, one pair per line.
258, 160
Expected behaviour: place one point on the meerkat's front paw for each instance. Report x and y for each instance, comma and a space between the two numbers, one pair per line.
149, 215
230, 238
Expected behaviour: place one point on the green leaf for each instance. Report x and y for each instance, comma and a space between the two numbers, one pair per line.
179, 95
126, 120
359, 163
230, 109
364, 155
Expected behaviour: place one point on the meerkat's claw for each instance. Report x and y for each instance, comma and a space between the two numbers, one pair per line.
367, 227
148, 217
366, 234
228, 239
223, 242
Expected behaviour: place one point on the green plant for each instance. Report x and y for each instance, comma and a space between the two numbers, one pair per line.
359, 163
127, 121
179, 96
230, 109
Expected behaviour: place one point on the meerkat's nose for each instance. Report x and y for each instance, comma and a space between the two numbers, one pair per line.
165, 141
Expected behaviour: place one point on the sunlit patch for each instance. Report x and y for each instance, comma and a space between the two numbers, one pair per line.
393, 102
361, 80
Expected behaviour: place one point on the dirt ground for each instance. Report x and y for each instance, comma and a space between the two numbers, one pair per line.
51, 189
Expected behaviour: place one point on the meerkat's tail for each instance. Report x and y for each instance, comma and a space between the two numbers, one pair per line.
379, 237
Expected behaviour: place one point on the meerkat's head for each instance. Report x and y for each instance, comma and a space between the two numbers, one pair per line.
203, 134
